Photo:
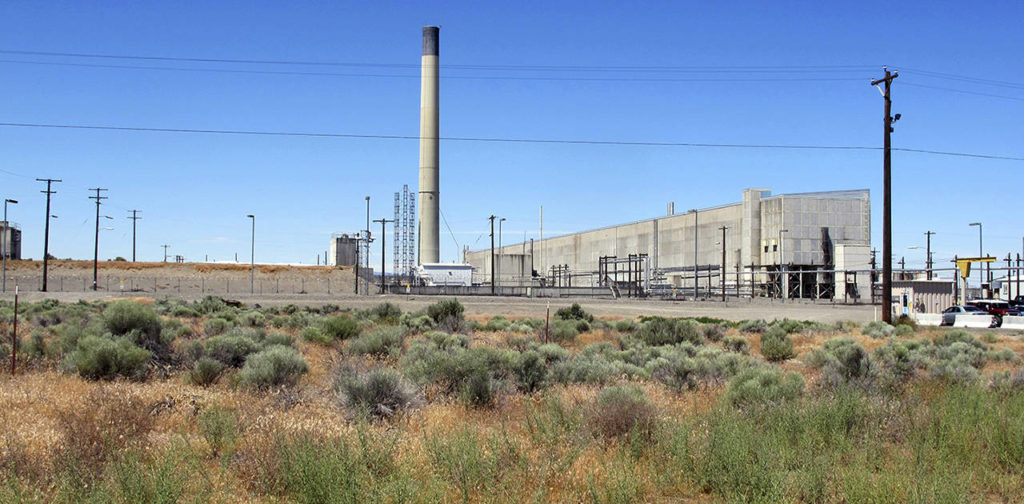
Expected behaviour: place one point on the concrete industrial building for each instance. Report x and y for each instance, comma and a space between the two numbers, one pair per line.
343, 250
10, 240
812, 235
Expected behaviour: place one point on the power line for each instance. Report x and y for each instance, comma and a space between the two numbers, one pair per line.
508, 140
964, 91
452, 77
632, 68
965, 78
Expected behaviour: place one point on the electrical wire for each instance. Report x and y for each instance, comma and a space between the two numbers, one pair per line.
509, 140
962, 91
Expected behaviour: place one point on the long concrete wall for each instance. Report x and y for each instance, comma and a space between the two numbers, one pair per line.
751, 237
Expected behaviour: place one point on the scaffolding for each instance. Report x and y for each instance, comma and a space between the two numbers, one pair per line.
405, 235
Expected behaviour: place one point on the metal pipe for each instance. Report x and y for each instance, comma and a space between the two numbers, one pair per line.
7, 230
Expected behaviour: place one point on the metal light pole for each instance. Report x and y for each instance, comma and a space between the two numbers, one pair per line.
723, 228
7, 230
252, 256
499, 251
980, 251
694, 253
783, 281
928, 253
383, 239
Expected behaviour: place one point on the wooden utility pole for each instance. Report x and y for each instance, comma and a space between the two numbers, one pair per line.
887, 121
928, 253
96, 243
135, 217
46, 235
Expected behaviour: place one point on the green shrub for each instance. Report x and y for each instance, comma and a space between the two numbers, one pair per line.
385, 312
620, 411
277, 338
753, 326
664, 331
553, 353
252, 318
137, 322
903, 331
417, 323
877, 329
531, 371
713, 332
205, 371
626, 326
442, 311
764, 385
563, 331
906, 320
383, 341
737, 344
340, 327
498, 323
841, 361
104, 358
279, 321
230, 349
380, 393
184, 312
275, 366
209, 305
314, 334
574, 312
479, 389
789, 326
776, 345
219, 427
215, 326
959, 336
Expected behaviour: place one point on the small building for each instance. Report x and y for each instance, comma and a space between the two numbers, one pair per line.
911, 297
438, 274
344, 250
10, 240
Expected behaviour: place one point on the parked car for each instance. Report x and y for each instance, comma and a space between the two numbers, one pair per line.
949, 314
1018, 302
996, 307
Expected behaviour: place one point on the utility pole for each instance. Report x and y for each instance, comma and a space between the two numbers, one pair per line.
7, 231
491, 218
928, 253
165, 252
46, 235
723, 228
887, 194
96, 242
252, 256
383, 238
135, 217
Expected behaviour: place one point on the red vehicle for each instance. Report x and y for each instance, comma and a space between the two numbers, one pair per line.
996, 307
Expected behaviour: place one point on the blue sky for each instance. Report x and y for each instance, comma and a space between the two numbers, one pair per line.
194, 190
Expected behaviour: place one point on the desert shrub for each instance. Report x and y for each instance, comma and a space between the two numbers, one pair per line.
479, 389
230, 349
216, 325
474, 374
106, 358
279, 321
905, 320
620, 411
536, 323
877, 329
841, 361
35, 348
679, 368
582, 326
417, 323
531, 371
959, 336
563, 331
736, 344
298, 320
379, 393
139, 323
518, 327
626, 325
596, 363
574, 312
903, 331
665, 331
776, 345
219, 428
553, 353
764, 385
383, 341
252, 318
109, 421
446, 309
340, 327
713, 332
1004, 355
209, 305
445, 341
205, 371
498, 323
753, 326
846, 326
314, 334
275, 366
789, 326
385, 312
278, 338
184, 312
990, 337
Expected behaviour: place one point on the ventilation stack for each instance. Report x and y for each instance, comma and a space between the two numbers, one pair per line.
429, 233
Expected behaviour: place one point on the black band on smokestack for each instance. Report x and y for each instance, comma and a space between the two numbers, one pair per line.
430, 40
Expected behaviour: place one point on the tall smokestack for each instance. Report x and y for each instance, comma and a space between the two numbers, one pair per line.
429, 172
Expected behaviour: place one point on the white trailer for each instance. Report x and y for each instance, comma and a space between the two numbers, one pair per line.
439, 274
